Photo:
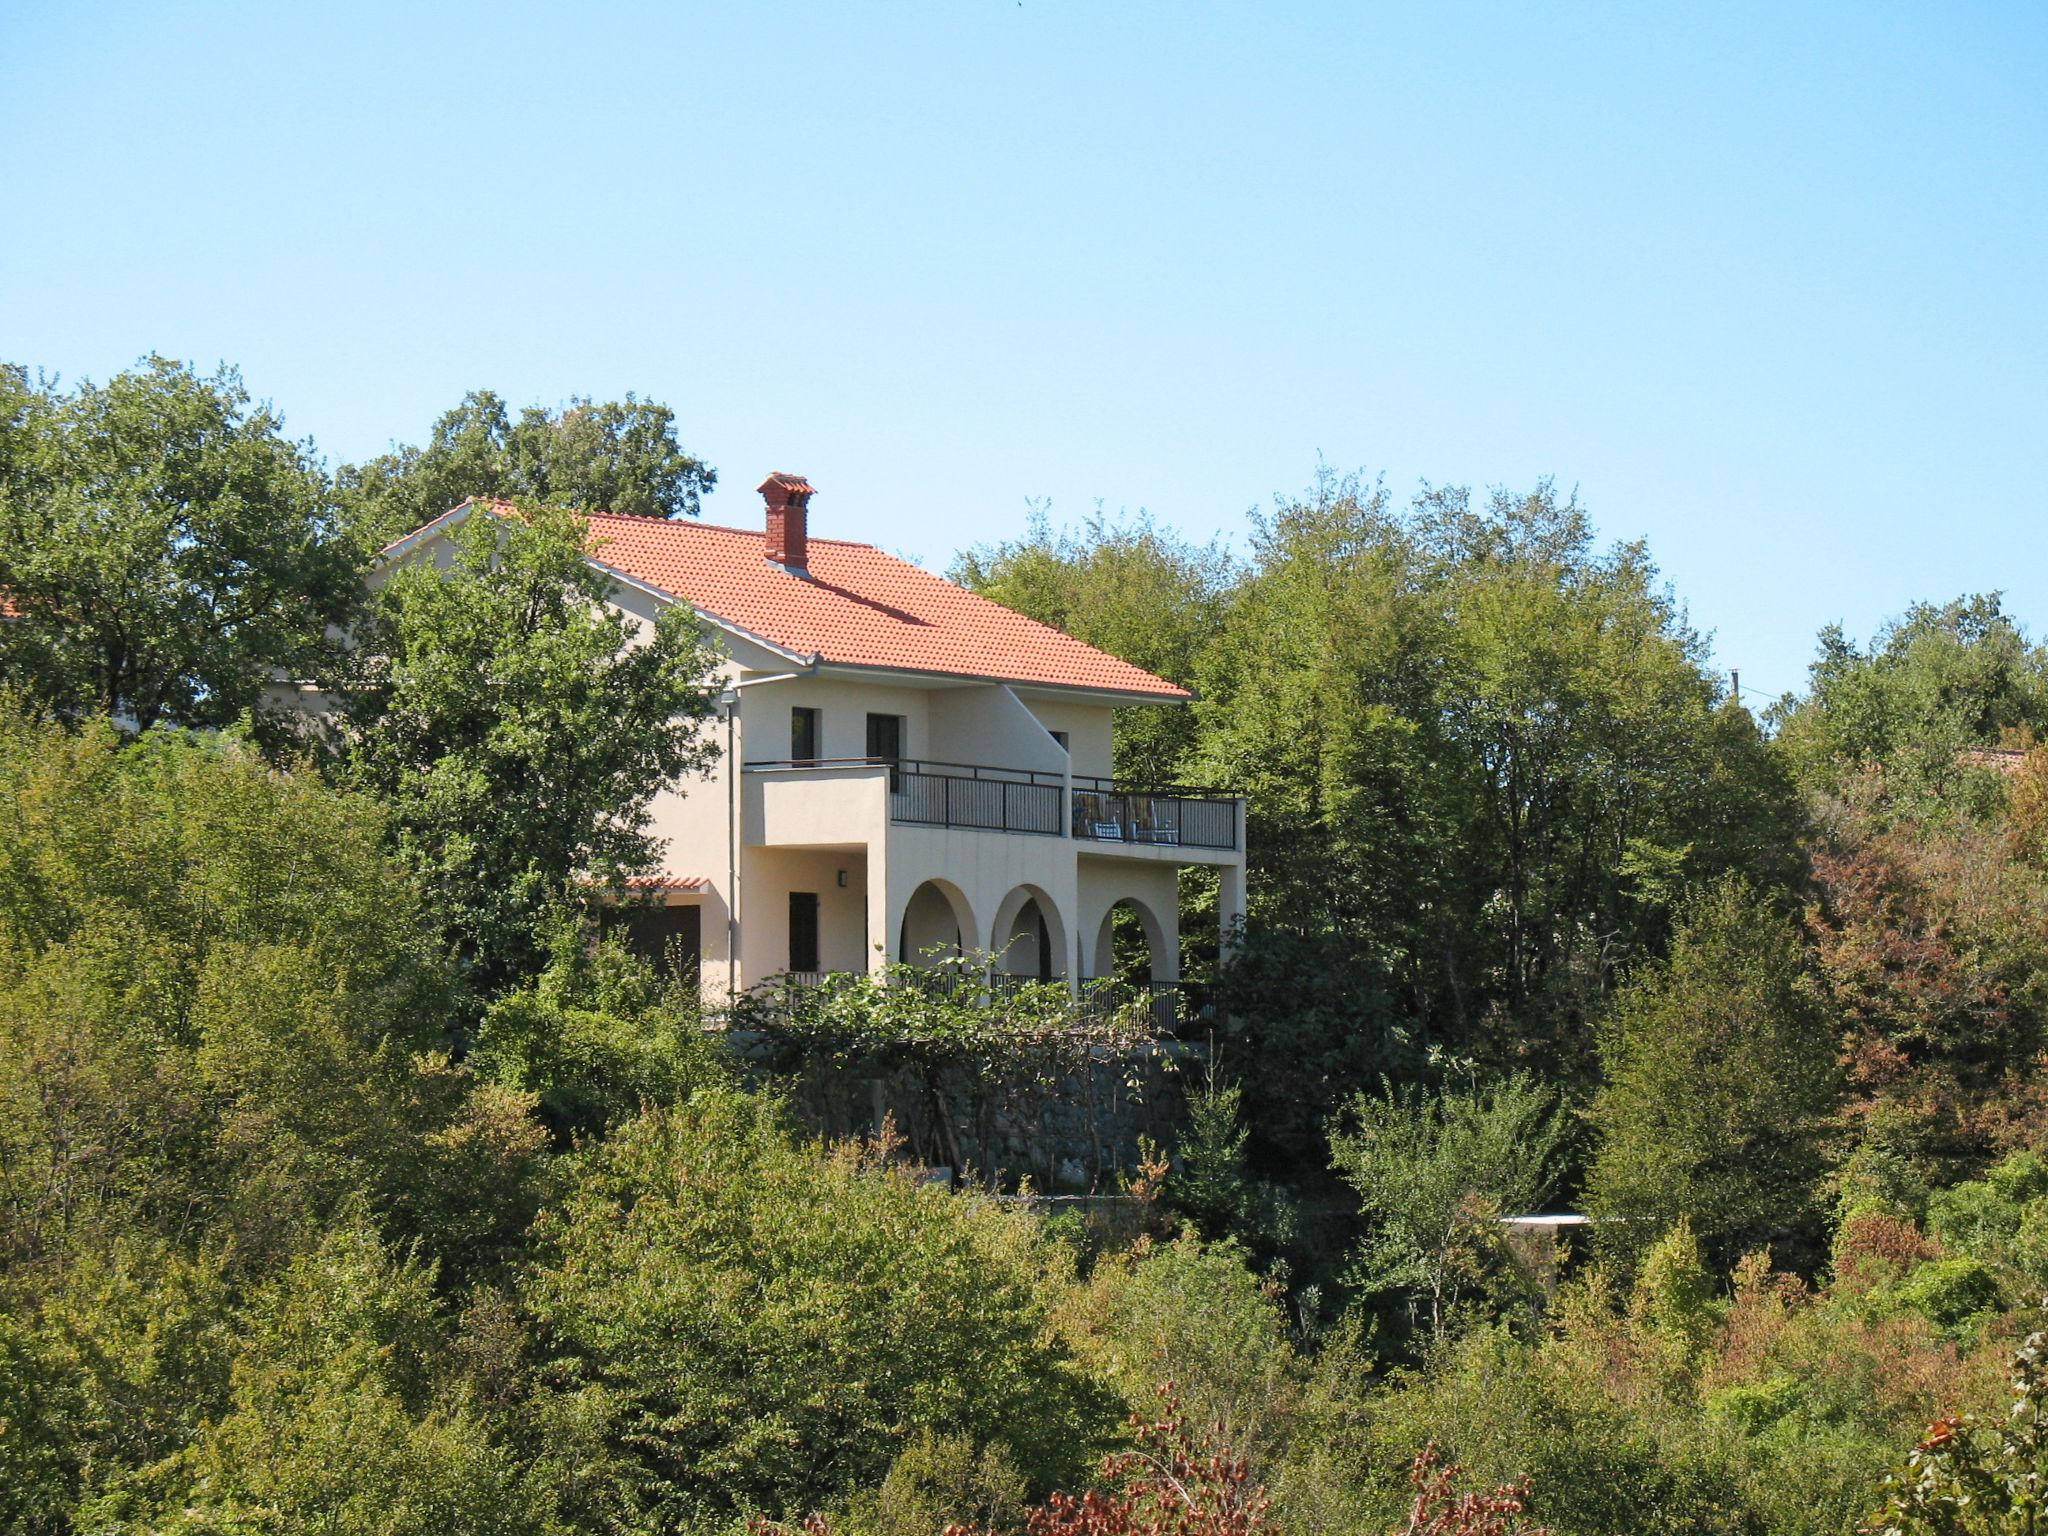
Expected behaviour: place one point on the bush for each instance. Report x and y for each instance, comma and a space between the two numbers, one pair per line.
1434, 1174
218, 1003
763, 1324
1192, 1313
1955, 1295
1720, 1067
595, 1039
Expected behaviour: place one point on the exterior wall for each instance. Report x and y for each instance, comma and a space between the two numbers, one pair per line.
1102, 882
986, 868
1087, 727
768, 875
987, 726
843, 707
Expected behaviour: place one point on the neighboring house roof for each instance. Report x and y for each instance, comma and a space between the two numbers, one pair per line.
2005, 760
665, 883
855, 606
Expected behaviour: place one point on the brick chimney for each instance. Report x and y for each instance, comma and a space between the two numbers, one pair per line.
789, 504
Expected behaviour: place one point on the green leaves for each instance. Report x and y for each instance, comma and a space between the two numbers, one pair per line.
1720, 1077
768, 1326
619, 456
167, 552
1435, 1172
519, 724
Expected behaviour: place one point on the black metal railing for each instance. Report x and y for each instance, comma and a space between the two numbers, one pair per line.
1107, 812
928, 793
933, 794
1167, 1001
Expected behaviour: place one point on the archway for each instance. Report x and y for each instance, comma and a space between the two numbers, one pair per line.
937, 924
1131, 944
1029, 938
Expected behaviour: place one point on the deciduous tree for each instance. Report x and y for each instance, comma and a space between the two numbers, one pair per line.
165, 551
519, 726
614, 456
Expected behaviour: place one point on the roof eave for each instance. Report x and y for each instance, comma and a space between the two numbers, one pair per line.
1091, 690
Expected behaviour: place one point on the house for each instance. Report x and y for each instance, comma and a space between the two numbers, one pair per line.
907, 769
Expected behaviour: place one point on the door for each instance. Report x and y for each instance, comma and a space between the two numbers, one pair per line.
885, 738
803, 931
885, 744
803, 735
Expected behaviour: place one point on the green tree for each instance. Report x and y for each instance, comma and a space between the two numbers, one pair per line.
165, 551
762, 1326
339, 1414
220, 1013
1435, 1172
1930, 685
519, 726
1128, 587
1482, 758
617, 456
1720, 1080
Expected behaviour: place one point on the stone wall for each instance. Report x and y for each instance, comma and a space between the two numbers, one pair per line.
1078, 1134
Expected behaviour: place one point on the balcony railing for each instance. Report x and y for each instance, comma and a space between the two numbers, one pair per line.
929, 794
1108, 812
926, 793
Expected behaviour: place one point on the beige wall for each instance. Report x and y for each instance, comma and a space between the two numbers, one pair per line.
769, 875
1104, 880
1087, 728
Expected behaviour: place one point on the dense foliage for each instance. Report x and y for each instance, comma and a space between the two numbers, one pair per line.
611, 456
349, 1183
498, 707
165, 550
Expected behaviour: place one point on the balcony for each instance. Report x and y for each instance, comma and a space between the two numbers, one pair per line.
928, 794
978, 797
1107, 812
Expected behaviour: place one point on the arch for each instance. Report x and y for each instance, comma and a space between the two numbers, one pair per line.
937, 916
1029, 936
1157, 948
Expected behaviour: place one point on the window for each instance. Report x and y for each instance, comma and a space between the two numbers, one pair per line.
671, 939
885, 738
803, 735
803, 931
1061, 738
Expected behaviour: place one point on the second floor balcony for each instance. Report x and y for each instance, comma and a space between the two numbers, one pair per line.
1030, 802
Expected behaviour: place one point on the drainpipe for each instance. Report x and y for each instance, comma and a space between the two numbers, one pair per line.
729, 701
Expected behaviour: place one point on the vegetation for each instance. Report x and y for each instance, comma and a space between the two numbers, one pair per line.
349, 1183
616, 456
497, 708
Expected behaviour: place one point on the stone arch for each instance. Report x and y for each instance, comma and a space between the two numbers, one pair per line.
1029, 936
937, 916
1157, 947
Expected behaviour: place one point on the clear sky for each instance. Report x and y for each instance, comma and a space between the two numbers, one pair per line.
1766, 283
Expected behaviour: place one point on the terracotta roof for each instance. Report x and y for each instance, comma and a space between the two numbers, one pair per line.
666, 882
854, 606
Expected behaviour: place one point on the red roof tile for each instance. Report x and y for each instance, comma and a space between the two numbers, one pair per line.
665, 882
856, 607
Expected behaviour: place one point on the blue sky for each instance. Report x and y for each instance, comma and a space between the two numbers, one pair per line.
1765, 283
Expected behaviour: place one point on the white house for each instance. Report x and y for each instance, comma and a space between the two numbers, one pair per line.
906, 767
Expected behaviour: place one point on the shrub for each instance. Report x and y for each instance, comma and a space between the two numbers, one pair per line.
1192, 1313
1434, 1172
1956, 1295
762, 1324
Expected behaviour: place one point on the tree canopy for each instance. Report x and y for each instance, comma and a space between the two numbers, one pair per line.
611, 456
519, 726
165, 551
